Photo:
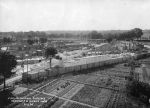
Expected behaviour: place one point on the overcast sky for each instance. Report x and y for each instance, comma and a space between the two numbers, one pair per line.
38, 15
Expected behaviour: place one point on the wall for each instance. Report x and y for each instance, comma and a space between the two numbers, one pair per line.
62, 70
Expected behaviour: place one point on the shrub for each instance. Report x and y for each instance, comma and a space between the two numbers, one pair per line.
140, 90
5, 95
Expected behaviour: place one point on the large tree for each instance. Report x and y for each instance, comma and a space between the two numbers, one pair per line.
95, 35
43, 40
30, 41
50, 53
139, 90
7, 63
6, 40
138, 33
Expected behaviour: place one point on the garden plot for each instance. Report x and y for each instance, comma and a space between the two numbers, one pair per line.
74, 105
121, 66
41, 95
63, 88
101, 81
121, 102
124, 69
79, 78
103, 98
58, 103
91, 79
93, 96
109, 82
97, 80
73, 91
119, 70
112, 73
49, 86
113, 101
106, 81
117, 83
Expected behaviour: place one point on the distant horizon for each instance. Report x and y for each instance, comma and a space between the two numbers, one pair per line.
74, 30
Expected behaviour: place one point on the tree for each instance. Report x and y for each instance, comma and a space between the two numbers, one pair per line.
50, 53
125, 35
6, 40
43, 40
6, 98
7, 63
109, 39
139, 90
131, 34
138, 32
30, 41
95, 35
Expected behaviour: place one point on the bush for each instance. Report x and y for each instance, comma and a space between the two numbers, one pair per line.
140, 90
5, 97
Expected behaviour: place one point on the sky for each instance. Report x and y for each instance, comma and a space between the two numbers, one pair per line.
43, 15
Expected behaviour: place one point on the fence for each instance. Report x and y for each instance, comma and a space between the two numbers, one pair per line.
93, 63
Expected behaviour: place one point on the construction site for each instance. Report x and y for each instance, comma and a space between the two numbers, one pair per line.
92, 81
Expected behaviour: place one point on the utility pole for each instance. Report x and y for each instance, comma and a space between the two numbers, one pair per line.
22, 65
27, 66
132, 69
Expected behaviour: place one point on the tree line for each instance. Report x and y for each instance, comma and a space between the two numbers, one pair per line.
126, 35
6, 40
135, 33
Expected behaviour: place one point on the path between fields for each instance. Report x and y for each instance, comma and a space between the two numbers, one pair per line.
49, 94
